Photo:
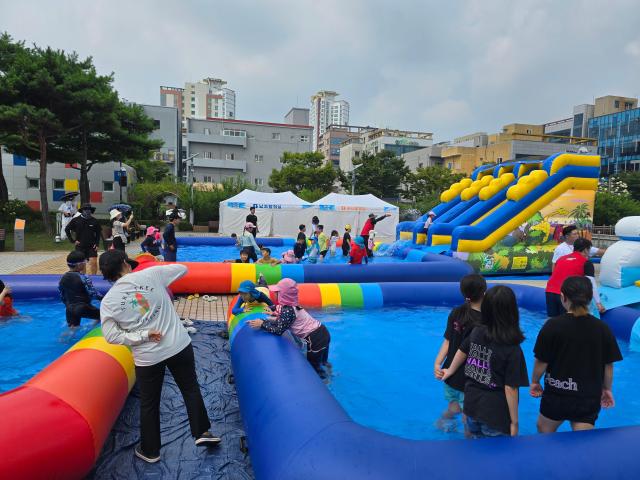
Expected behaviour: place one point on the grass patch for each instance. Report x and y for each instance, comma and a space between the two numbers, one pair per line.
38, 242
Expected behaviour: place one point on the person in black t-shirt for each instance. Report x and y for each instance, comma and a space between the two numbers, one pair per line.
494, 366
86, 235
461, 322
251, 218
575, 351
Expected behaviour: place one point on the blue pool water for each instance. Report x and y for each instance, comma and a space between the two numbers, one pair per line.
219, 254
31, 341
383, 372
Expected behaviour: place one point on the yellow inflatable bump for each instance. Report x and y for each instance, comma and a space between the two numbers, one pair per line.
637, 283
120, 353
421, 238
330, 293
241, 272
576, 160
440, 239
406, 235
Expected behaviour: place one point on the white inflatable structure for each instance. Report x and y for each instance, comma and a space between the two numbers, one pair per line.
620, 265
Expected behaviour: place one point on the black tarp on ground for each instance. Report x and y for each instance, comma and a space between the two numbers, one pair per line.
180, 458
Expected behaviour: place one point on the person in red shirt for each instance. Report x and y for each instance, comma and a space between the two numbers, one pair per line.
574, 264
368, 226
358, 252
6, 302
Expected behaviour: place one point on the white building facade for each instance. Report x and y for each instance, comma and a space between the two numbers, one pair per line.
326, 110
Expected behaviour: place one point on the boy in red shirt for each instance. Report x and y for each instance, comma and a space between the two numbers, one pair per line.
358, 252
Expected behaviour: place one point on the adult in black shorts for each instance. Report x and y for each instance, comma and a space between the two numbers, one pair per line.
251, 218
85, 233
77, 290
575, 351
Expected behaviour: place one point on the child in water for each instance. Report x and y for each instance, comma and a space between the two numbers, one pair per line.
249, 295
346, 241
267, 259
300, 247
575, 351
494, 367
77, 290
333, 242
358, 252
244, 257
6, 302
313, 250
152, 242
290, 316
460, 323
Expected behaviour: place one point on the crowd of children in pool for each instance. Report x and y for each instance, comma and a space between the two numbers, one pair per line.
312, 249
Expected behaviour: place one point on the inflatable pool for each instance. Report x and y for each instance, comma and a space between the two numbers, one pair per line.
297, 429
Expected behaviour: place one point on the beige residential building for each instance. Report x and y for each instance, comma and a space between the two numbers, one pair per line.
612, 104
201, 100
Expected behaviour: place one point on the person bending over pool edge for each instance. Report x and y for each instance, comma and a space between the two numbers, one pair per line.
248, 296
290, 316
460, 323
136, 311
575, 351
494, 366
76, 291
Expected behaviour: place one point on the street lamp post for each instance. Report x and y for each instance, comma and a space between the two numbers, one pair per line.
190, 178
353, 179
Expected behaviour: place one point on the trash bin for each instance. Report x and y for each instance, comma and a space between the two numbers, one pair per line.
3, 234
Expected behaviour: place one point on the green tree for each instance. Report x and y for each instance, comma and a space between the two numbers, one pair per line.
302, 171
429, 182
36, 88
382, 175
610, 208
9, 50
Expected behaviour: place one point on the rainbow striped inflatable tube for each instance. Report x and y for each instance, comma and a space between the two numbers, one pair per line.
208, 277
54, 425
297, 429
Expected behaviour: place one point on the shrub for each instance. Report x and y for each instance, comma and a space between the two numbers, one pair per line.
610, 208
185, 226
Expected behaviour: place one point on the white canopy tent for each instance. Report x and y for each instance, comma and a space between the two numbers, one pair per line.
336, 210
279, 214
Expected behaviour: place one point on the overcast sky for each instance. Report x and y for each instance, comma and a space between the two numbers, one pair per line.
448, 67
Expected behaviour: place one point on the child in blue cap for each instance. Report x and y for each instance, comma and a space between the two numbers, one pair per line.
249, 293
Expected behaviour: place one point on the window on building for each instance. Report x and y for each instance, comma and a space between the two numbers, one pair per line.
275, 136
207, 131
58, 184
207, 179
259, 158
234, 133
156, 124
499, 160
628, 105
107, 186
616, 104
528, 130
208, 155
304, 138
229, 156
357, 154
258, 182
172, 155
419, 164
33, 183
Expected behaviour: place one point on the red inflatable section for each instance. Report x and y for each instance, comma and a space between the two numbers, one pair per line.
33, 444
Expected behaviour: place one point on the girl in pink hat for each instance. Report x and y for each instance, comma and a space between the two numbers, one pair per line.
151, 243
290, 316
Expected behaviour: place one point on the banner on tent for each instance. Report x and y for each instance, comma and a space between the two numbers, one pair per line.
266, 206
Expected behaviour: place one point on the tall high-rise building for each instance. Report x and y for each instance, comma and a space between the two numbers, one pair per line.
206, 99
326, 110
